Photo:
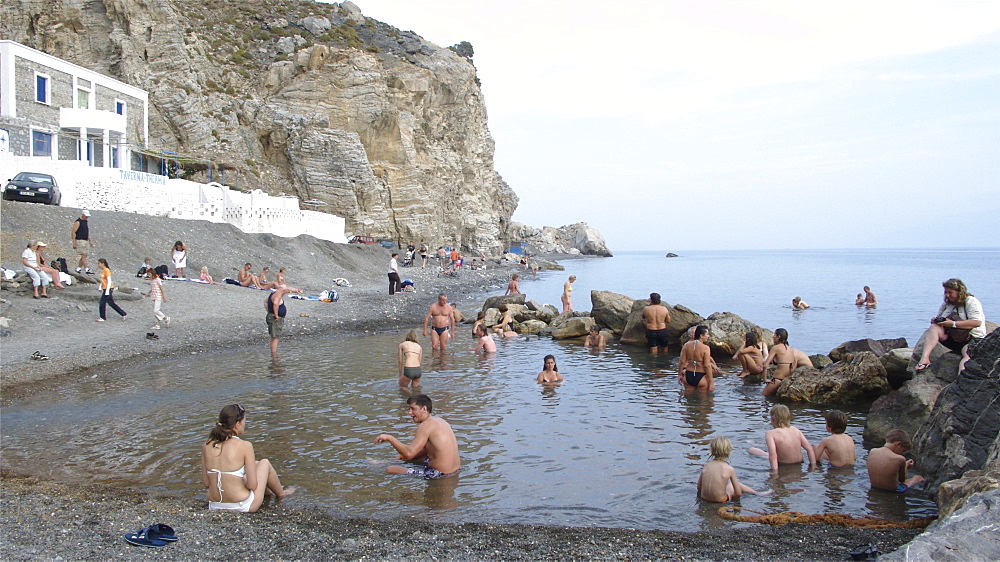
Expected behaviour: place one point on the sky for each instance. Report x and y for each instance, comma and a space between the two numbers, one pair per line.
710, 125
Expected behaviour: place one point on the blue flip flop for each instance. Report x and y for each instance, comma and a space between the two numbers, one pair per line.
142, 538
161, 532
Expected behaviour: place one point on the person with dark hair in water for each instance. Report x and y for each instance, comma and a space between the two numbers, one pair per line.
695, 368
225, 459
434, 443
550, 371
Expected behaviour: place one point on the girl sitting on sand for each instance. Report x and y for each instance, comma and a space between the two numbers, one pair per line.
224, 461
205, 276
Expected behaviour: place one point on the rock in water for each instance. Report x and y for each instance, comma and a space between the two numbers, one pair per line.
860, 379
610, 310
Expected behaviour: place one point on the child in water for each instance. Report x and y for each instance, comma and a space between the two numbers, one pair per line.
717, 481
887, 466
785, 443
838, 448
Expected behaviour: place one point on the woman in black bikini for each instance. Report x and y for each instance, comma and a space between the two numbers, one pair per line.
695, 368
783, 356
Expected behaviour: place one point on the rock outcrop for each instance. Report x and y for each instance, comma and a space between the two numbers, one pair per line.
610, 310
963, 430
968, 534
878, 347
311, 99
571, 239
727, 332
858, 380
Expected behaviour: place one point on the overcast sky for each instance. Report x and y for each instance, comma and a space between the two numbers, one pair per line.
681, 125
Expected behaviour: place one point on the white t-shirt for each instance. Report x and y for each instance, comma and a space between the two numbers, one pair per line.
393, 266
973, 310
32, 258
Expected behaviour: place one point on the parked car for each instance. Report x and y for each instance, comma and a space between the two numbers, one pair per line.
387, 244
361, 240
34, 187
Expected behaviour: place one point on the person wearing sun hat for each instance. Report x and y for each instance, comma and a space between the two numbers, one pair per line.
48, 270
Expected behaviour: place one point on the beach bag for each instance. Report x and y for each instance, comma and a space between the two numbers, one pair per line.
231, 281
957, 334
63, 267
329, 296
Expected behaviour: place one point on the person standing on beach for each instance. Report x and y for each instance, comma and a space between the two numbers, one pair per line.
275, 305
395, 283
959, 321
656, 316
567, 294
80, 234
158, 296
870, 300
434, 443
179, 256
440, 316
107, 292
423, 254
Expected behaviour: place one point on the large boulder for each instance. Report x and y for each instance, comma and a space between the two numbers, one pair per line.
610, 310
860, 379
726, 333
531, 326
904, 408
573, 328
896, 362
963, 430
496, 301
963, 535
878, 347
521, 312
952, 494
681, 318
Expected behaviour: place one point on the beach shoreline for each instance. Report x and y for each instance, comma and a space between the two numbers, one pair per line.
42, 518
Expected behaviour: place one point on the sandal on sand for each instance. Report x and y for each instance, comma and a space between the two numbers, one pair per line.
142, 538
161, 532
39, 357
152, 336
921, 366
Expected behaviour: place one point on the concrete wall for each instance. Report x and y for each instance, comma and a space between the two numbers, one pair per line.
112, 189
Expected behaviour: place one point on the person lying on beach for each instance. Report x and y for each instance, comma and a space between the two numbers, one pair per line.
550, 372
717, 481
595, 339
785, 443
409, 359
799, 304
224, 461
695, 369
887, 466
246, 278
750, 356
434, 443
486, 342
838, 447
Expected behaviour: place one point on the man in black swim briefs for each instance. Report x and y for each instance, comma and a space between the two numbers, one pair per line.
656, 317
440, 317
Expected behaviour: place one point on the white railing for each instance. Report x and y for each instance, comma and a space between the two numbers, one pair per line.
112, 189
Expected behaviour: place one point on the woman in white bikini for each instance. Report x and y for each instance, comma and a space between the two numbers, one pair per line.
224, 458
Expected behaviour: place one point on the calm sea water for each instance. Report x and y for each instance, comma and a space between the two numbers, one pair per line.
759, 286
617, 445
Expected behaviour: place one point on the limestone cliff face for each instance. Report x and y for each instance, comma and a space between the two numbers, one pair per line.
297, 97
576, 238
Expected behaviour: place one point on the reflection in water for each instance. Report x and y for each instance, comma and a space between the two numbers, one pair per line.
529, 454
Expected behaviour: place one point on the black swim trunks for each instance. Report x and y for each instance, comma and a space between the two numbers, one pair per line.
440, 331
656, 338
693, 378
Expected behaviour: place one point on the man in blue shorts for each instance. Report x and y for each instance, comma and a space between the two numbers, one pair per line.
434, 443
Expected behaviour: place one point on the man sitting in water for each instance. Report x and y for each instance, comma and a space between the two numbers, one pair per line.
434, 443
595, 339
887, 466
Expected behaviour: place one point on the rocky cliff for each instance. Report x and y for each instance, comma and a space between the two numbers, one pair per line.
292, 96
576, 238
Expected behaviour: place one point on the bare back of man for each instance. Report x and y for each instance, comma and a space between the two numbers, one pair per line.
786, 445
434, 443
656, 316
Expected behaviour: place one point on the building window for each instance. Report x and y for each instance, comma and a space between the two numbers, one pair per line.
114, 157
82, 99
41, 143
42, 92
119, 107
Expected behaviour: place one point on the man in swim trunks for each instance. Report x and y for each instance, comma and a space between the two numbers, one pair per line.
887, 466
871, 301
434, 443
442, 320
656, 316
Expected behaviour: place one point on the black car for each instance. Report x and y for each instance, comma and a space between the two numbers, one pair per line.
31, 186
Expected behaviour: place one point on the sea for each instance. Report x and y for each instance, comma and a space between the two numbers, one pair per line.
759, 286
617, 444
